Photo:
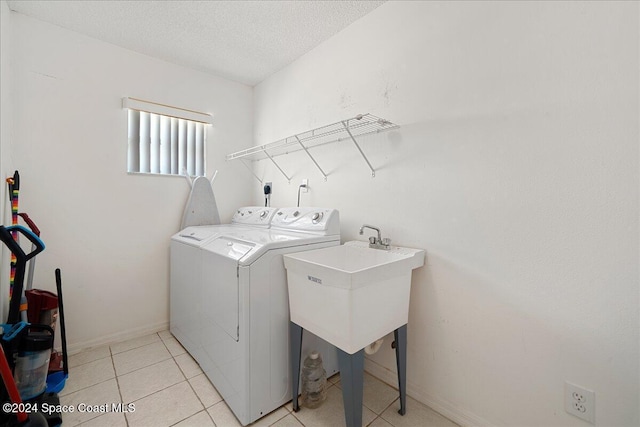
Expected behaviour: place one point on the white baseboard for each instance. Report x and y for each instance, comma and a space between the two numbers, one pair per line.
117, 337
455, 414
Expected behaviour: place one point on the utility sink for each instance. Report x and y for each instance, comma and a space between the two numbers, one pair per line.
351, 295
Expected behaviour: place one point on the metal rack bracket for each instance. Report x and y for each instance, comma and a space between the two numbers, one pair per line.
279, 168
346, 127
250, 170
311, 157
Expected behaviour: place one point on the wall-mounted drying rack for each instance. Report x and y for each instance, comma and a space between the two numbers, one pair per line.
345, 130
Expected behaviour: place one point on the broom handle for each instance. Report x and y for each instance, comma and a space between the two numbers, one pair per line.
63, 330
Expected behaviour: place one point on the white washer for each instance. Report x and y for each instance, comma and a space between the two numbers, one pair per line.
244, 310
186, 271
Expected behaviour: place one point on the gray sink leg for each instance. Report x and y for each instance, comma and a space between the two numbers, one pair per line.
400, 335
295, 339
351, 378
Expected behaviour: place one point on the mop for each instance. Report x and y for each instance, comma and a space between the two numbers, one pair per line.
14, 191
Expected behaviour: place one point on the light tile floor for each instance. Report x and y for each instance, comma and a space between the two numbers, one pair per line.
168, 388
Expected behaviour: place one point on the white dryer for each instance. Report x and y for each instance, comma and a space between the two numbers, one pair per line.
244, 310
186, 271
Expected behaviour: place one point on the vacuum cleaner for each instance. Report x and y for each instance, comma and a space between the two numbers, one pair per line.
26, 348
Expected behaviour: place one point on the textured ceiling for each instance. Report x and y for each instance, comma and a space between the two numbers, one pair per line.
245, 41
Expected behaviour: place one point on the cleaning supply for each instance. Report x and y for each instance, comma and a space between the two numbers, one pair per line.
14, 191
314, 381
32, 266
22, 418
42, 307
59, 366
21, 261
32, 361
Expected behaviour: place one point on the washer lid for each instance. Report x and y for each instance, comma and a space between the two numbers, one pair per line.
229, 247
195, 233
196, 236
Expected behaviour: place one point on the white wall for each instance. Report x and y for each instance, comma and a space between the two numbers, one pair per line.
5, 138
109, 231
516, 168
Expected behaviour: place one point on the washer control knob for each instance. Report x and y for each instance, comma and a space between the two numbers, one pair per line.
250, 212
296, 213
316, 217
263, 214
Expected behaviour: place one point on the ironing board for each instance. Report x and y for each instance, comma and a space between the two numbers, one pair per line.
201, 208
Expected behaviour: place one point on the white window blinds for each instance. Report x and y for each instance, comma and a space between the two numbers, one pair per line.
165, 140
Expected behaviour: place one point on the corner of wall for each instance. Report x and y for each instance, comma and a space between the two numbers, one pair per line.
5, 134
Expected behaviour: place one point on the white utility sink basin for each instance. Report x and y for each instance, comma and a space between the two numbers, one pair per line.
351, 295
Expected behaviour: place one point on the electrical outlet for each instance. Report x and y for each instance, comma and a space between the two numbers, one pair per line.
268, 191
305, 182
580, 402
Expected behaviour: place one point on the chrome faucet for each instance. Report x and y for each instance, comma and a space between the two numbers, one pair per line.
379, 242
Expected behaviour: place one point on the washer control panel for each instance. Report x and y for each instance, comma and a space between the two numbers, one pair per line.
254, 215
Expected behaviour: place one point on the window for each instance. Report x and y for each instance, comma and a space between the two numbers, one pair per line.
165, 140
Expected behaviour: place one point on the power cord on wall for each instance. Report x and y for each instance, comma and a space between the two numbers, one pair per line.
301, 186
267, 195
